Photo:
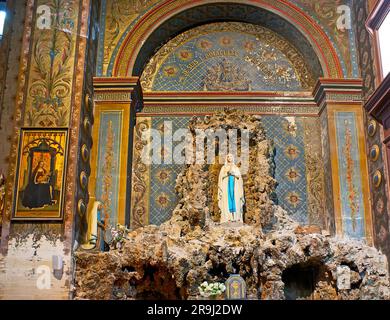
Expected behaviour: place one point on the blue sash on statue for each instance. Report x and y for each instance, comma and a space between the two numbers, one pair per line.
231, 199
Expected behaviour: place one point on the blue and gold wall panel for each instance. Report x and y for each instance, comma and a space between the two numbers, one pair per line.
163, 198
108, 181
349, 175
298, 169
349, 171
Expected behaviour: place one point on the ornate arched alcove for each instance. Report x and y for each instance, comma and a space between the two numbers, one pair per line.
228, 56
171, 18
270, 58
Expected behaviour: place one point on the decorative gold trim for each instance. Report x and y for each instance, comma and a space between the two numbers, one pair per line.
314, 171
140, 193
344, 96
357, 109
376, 151
372, 127
377, 175
83, 180
81, 208
129, 49
87, 102
124, 142
112, 96
85, 153
193, 109
87, 126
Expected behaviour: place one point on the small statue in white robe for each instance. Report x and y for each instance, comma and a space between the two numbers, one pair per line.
230, 192
96, 229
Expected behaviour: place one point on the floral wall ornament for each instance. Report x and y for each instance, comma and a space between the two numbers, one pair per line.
162, 200
141, 173
107, 174
293, 174
292, 152
353, 204
293, 198
350, 167
51, 77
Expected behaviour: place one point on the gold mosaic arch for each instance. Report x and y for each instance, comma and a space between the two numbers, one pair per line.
131, 46
261, 33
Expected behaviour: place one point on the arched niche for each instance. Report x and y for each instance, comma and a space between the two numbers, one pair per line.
228, 56
171, 18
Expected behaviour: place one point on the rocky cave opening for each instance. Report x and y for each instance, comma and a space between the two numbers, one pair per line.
300, 281
276, 257
156, 284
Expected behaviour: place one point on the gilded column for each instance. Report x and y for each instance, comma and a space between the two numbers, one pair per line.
116, 102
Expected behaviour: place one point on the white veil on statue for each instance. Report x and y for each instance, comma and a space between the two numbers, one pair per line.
92, 233
230, 211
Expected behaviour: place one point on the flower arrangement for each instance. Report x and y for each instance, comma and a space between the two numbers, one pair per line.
119, 235
211, 290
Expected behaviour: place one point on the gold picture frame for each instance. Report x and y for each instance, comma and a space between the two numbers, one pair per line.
39, 184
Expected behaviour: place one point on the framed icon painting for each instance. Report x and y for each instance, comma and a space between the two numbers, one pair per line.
39, 193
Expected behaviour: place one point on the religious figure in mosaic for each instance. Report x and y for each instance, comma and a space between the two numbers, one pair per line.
226, 77
230, 192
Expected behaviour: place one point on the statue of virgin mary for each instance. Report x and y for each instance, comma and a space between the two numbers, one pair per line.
96, 229
230, 192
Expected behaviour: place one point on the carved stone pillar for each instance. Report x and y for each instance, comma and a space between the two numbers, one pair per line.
345, 162
116, 102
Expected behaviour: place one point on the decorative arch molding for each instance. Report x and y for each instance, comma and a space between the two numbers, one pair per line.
127, 61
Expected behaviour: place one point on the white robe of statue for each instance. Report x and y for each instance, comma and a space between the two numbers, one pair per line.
230, 192
92, 232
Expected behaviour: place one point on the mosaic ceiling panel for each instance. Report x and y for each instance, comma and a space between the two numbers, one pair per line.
228, 56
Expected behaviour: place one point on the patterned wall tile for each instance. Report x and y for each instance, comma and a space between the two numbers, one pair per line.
287, 134
290, 172
163, 198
